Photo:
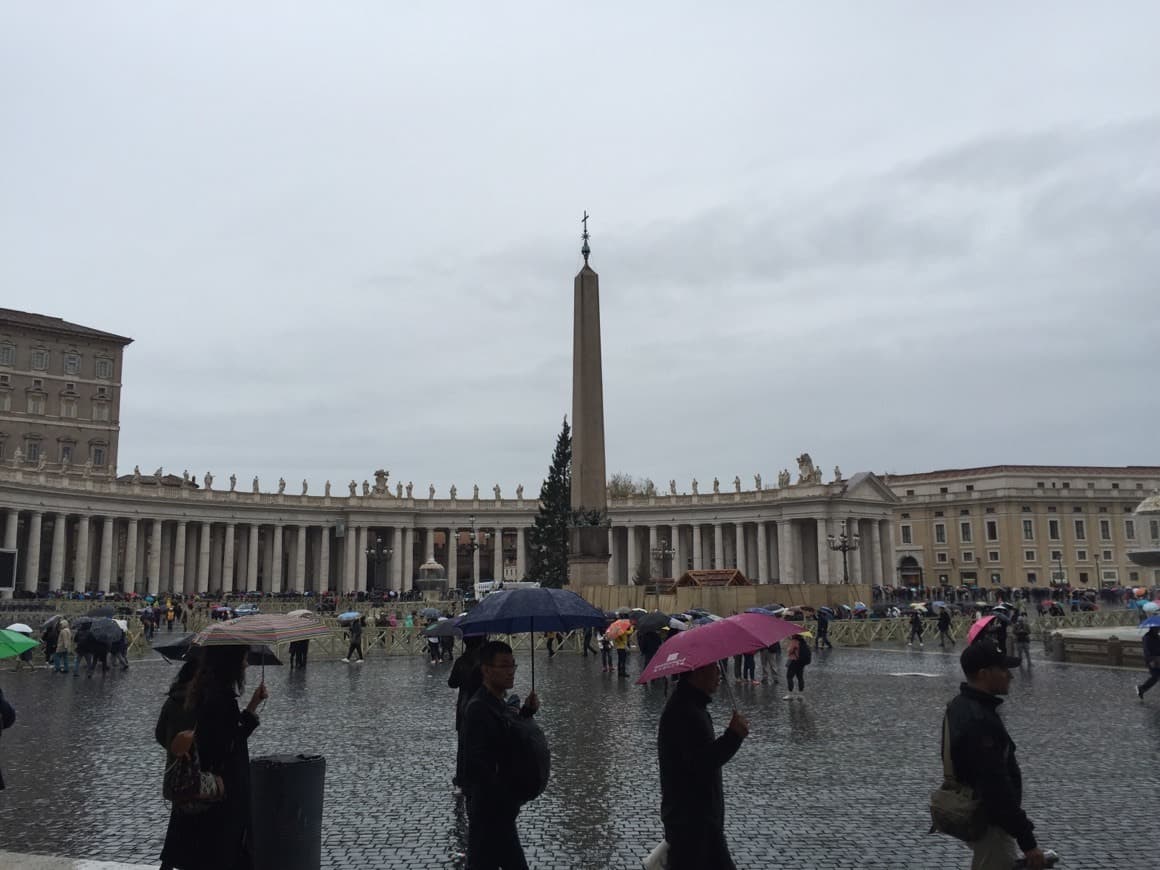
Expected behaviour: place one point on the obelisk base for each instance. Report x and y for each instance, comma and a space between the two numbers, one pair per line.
588, 570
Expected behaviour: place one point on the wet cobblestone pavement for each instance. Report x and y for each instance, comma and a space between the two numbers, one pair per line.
838, 779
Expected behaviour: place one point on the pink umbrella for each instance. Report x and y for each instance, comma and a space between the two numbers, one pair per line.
977, 629
706, 644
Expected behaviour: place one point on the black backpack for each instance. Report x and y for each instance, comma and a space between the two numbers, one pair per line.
528, 765
805, 654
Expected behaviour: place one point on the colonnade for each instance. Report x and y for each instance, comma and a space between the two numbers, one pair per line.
110, 553
786, 550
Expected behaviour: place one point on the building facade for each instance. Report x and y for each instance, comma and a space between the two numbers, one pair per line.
1025, 526
60, 394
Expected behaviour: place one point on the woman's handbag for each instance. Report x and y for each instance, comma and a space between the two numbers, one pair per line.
658, 858
954, 809
185, 784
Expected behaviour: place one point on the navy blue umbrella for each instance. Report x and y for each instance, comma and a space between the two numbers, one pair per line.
524, 611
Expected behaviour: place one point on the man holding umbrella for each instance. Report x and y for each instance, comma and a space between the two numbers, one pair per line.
1151, 645
692, 794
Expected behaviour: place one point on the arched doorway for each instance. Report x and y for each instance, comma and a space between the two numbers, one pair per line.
910, 572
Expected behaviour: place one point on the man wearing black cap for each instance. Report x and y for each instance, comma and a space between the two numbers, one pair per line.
983, 757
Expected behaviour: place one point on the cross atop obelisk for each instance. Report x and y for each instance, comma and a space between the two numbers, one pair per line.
588, 559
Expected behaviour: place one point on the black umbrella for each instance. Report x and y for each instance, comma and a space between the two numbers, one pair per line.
655, 621
104, 630
50, 623
98, 612
430, 613
179, 648
444, 628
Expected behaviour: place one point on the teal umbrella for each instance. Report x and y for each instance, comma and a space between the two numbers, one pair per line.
13, 643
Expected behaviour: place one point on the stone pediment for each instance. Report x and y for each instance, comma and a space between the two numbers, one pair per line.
868, 486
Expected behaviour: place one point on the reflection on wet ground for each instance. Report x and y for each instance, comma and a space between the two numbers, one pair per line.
838, 778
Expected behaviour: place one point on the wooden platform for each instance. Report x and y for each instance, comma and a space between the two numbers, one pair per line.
1105, 645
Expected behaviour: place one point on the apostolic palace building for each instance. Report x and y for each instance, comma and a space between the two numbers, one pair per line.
75, 524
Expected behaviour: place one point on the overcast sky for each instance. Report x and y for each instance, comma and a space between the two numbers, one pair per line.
900, 236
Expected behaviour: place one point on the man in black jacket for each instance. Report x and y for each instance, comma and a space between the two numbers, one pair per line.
983, 757
692, 796
492, 839
7, 718
467, 677
1151, 644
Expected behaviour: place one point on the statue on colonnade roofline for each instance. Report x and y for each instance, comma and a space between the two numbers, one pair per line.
805, 468
757, 482
208, 480
837, 474
185, 477
159, 473
256, 490
672, 486
381, 476
818, 474
695, 490
410, 488
398, 490
353, 488
495, 489
136, 473
737, 483
716, 486
281, 485
326, 490
233, 482
453, 492
305, 486
431, 492
476, 492
783, 478
520, 492
366, 487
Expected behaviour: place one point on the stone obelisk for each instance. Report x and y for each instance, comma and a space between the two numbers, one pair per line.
588, 559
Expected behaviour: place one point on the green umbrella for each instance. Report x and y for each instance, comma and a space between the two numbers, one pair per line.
13, 643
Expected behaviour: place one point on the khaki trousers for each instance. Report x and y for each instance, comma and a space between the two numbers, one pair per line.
996, 851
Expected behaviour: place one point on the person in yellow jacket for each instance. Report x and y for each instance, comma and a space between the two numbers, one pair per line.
621, 644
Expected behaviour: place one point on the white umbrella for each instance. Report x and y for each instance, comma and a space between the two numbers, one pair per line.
20, 627
122, 623
300, 612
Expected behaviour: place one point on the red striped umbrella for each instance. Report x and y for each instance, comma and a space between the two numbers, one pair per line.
265, 629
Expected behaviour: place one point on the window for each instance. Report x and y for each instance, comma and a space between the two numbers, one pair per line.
38, 383
964, 512
970, 487
98, 456
1106, 555
1080, 530
70, 387
968, 556
1053, 530
68, 408
72, 363
1026, 508
1103, 510
1130, 529
40, 359
992, 530
1028, 530
35, 404
1083, 576
996, 578
32, 451
1029, 556
1115, 486
1040, 485
1031, 578
940, 533
943, 580
940, 557
992, 555
1154, 526
102, 392
5, 380
906, 535
906, 516
1133, 576
938, 513
1067, 484
989, 510
942, 490
1051, 509
104, 369
965, 532
910, 492
5, 401
1081, 555
1105, 530
1077, 510
1056, 555
100, 411
66, 452
7, 354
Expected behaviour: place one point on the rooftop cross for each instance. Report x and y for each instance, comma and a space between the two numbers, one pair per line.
584, 249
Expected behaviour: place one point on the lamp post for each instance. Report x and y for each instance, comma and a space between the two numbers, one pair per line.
379, 554
844, 544
662, 552
473, 542
1099, 577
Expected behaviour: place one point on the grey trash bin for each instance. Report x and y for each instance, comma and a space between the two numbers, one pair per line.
286, 803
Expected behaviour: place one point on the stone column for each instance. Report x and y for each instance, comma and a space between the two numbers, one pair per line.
475, 565
408, 558
786, 547
452, 558
739, 546
885, 528
653, 570
429, 545
129, 582
229, 550
10, 528
203, 534
56, 565
179, 558
106, 569
252, 549
32, 557
84, 560
497, 554
322, 581
825, 574
216, 545
300, 561
166, 560
153, 584
349, 578
611, 557
360, 558
718, 546
698, 553
876, 556
396, 559
762, 553
633, 555
854, 559
521, 556
276, 559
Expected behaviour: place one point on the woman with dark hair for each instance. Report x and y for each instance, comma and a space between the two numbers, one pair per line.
216, 836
